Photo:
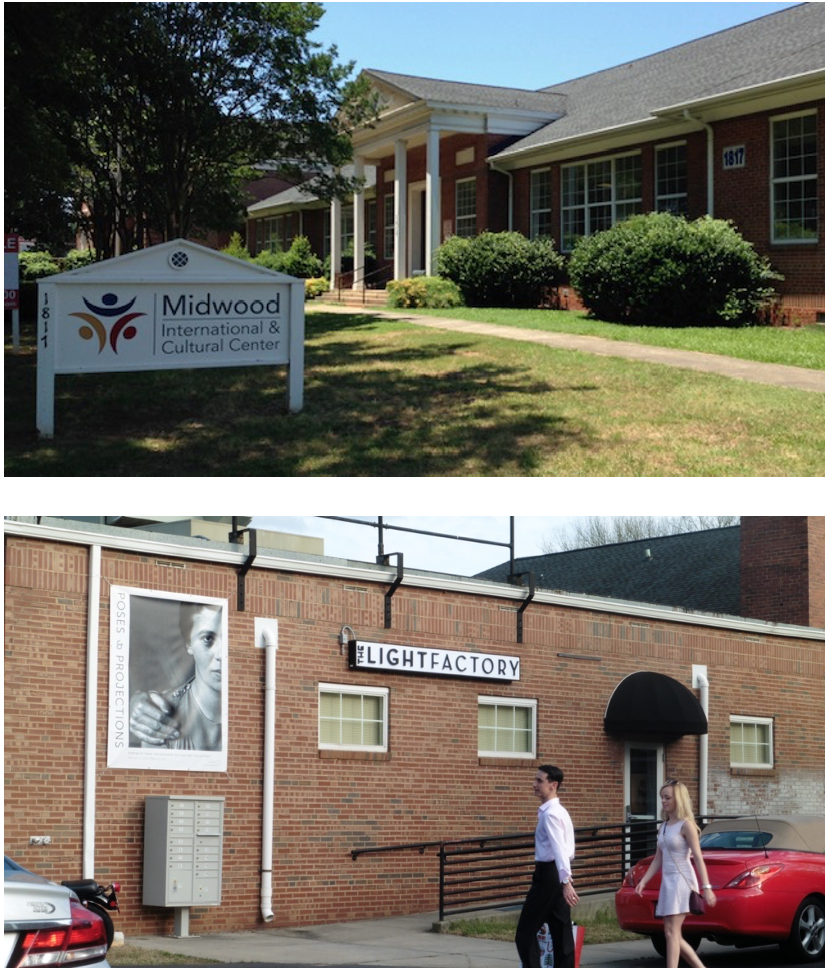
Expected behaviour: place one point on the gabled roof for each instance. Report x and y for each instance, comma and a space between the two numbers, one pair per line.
297, 197
782, 45
470, 95
697, 571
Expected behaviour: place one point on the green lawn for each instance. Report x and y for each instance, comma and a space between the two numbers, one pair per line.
803, 346
389, 398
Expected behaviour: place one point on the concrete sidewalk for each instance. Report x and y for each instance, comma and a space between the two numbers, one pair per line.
410, 942
785, 376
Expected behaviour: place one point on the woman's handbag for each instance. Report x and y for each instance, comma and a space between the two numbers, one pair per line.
696, 903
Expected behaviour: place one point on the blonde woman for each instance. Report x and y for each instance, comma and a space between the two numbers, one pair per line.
677, 840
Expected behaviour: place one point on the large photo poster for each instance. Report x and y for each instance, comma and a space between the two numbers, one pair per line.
167, 681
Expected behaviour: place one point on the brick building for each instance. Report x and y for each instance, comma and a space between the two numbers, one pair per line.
429, 727
730, 125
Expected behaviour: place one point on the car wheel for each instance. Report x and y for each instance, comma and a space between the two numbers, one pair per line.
658, 941
806, 940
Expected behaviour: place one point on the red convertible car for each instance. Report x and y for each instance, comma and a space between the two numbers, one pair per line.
768, 875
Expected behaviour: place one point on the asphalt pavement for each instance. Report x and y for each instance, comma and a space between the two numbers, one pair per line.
411, 942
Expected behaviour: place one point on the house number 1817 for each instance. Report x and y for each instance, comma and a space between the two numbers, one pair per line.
734, 157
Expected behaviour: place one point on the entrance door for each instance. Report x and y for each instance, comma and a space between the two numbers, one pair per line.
416, 218
643, 780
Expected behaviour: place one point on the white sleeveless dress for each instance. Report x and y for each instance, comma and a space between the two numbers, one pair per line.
678, 877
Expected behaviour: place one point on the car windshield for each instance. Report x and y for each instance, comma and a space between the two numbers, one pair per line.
735, 840
9, 865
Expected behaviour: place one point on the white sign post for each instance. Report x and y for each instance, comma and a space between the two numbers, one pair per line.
175, 305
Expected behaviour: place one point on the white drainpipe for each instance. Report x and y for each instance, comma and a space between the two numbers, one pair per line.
699, 679
266, 636
90, 768
709, 158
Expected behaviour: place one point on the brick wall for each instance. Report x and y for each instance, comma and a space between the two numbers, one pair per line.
431, 784
781, 569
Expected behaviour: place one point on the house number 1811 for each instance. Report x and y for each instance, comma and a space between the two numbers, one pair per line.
734, 157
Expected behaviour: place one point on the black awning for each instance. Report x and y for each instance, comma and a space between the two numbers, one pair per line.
651, 707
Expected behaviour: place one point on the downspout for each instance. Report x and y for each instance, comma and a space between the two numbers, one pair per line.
699, 679
709, 158
266, 637
90, 758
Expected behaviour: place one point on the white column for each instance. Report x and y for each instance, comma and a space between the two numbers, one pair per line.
358, 228
434, 203
400, 212
335, 241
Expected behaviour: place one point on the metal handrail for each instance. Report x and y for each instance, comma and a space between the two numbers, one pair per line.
484, 873
355, 271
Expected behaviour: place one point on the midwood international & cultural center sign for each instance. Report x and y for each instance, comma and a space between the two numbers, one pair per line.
175, 305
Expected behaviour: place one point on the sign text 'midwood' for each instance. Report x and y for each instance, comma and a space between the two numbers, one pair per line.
433, 661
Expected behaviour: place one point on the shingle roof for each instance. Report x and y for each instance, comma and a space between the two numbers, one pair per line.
697, 571
473, 95
779, 45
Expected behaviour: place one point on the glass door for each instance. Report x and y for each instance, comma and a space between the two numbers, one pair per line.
643, 780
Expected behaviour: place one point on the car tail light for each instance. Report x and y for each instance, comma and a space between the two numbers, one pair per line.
83, 941
629, 881
755, 876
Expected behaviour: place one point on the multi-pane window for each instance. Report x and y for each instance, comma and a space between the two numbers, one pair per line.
751, 742
672, 180
595, 195
540, 203
794, 179
347, 231
389, 225
273, 234
370, 217
466, 207
507, 727
352, 717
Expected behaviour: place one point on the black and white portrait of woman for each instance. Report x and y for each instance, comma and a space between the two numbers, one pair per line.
168, 680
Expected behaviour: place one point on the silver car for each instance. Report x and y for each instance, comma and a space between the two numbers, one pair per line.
44, 924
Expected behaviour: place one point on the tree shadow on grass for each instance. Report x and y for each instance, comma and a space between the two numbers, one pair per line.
424, 407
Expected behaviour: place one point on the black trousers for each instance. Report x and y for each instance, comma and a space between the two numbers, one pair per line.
544, 903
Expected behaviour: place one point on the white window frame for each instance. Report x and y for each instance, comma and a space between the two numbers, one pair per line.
500, 700
537, 211
743, 720
789, 179
587, 206
668, 197
465, 218
361, 690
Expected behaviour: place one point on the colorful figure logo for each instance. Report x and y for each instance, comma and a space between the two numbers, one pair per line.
94, 327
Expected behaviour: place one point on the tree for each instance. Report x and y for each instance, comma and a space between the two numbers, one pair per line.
163, 108
598, 531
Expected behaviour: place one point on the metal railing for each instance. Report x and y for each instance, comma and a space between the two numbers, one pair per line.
354, 278
485, 873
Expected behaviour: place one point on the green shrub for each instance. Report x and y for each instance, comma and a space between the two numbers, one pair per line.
77, 258
500, 269
298, 261
315, 287
423, 292
235, 248
348, 259
662, 270
37, 263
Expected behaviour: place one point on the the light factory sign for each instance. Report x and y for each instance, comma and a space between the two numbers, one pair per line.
433, 661
176, 305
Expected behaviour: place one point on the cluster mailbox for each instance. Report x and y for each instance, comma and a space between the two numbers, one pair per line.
182, 851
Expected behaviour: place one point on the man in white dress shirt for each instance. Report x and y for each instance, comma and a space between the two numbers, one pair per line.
551, 894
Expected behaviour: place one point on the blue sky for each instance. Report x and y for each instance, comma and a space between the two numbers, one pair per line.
520, 45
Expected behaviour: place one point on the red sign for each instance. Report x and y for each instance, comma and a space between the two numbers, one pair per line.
11, 272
